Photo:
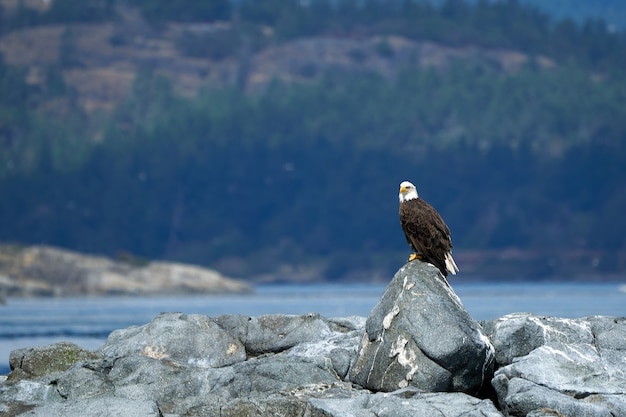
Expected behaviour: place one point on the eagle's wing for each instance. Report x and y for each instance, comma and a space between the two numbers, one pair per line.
426, 232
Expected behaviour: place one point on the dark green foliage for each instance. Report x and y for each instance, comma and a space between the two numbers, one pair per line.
156, 11
68, 54
31, 141
307, 171
218, 44
583, 10
300, 172
214, 45
73, 11
507, 24
384, 48
14, 117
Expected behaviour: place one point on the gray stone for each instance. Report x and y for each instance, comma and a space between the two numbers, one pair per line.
519, 397
419, 334
185, 339
575, 368
98, 407
162, 380
407, 404
516, 335
351, 403
176, 389
309, 335
12, 409
615, 403
278, 373
179, 361
81, 382
609, 332
20, 396
278, 332
275, 333
256, 408
40, 361
192, 365
544, 412
579, 367
340, 346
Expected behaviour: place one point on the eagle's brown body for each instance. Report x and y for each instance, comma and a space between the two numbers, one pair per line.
426, 233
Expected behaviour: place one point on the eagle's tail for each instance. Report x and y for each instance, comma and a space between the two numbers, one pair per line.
450, 264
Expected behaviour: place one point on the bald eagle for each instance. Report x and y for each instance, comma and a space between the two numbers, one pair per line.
425, 231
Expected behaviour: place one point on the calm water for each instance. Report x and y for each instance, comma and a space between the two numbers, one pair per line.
88, 321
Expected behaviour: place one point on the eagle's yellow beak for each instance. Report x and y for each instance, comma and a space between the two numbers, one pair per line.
403, 190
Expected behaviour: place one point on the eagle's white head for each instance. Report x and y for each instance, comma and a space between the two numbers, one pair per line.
407, 191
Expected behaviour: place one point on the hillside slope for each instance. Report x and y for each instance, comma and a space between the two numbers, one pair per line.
100, 60
269, 143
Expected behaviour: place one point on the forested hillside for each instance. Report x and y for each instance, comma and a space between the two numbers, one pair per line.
271, 141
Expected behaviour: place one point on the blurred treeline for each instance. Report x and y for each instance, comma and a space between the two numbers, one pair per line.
307, 173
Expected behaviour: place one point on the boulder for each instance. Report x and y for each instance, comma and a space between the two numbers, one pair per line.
192, 362
278, 332
179, 338
17, 397
574, 367
96, 407
420, 335
517, 334
525, 397
253, 407
403, 403
33, 362
407, 403
81, 383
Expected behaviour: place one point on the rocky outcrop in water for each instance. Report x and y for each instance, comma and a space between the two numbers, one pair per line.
574, 366
420, 335
193, 365
48, 271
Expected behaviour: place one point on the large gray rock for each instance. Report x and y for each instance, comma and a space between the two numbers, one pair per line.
254, 407
32, 362
193, 365
407, 403
571, 366
278, 332
231, 365
517, 334
306, 336
99, 407
191, 362
419, 334
524, 397
184, 339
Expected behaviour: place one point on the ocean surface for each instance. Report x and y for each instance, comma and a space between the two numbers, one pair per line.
88, 321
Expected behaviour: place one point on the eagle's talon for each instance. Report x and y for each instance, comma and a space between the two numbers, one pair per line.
414, 256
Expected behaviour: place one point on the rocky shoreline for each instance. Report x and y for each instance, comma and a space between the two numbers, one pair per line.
45, 271
418, 353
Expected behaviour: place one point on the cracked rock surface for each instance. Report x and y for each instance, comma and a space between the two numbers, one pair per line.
193, 365
574, 366
420, 335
